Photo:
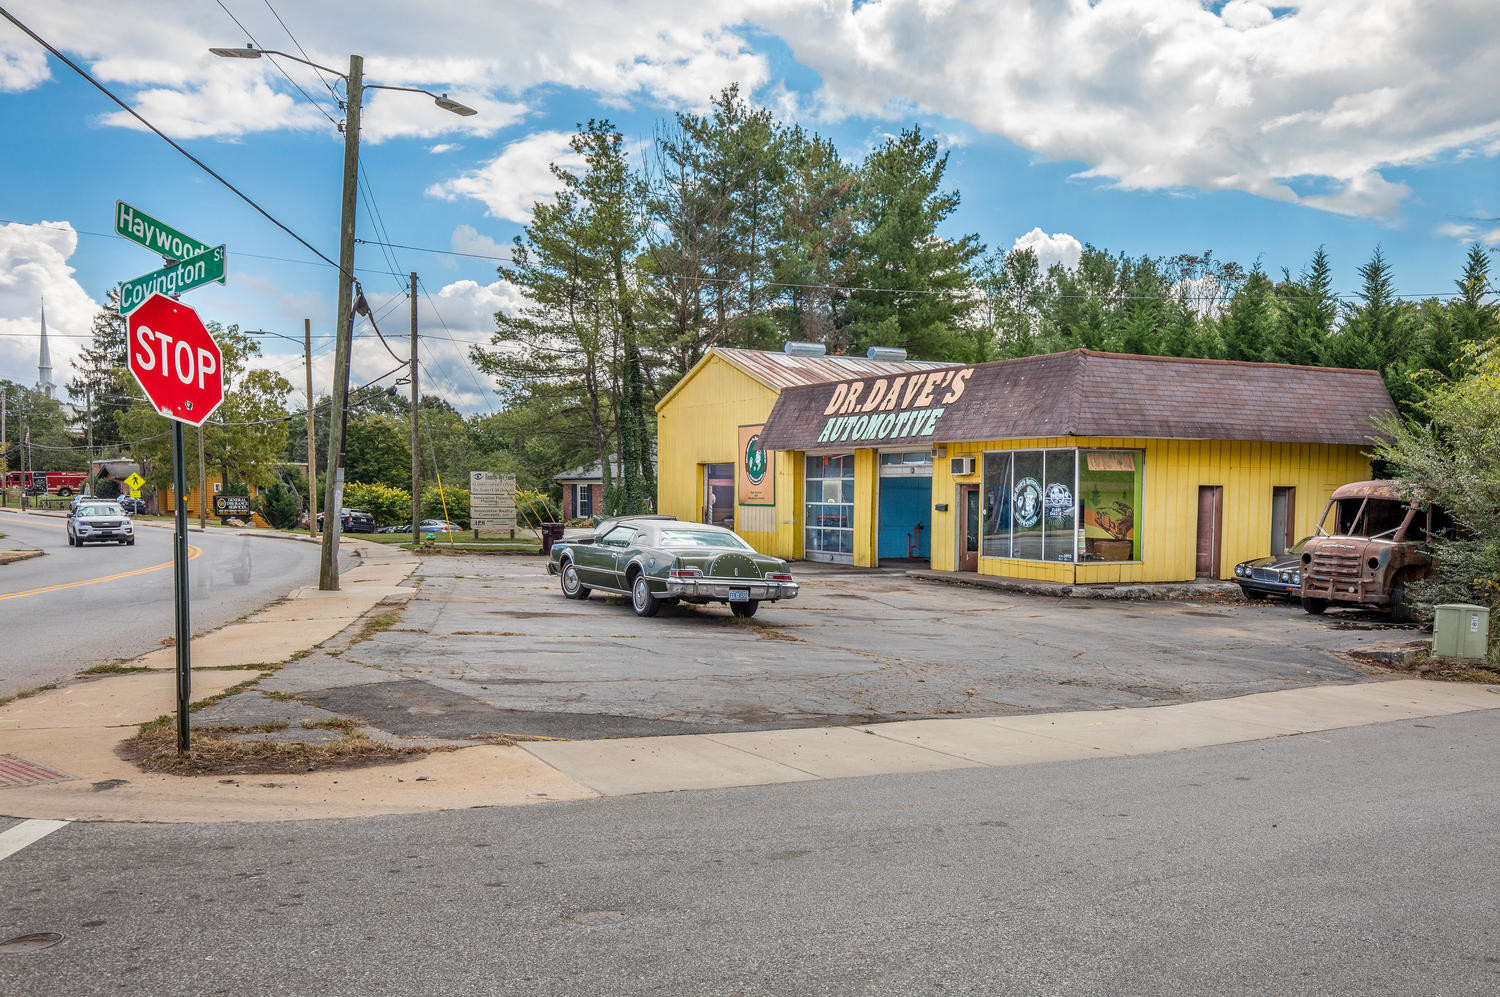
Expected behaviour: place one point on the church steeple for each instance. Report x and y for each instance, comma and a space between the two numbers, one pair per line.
44, 363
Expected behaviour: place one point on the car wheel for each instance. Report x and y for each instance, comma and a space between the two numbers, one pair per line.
71, 541
130, 542
1254, 595
65, 492
744, 610
641, 599
1314, 606
572, 586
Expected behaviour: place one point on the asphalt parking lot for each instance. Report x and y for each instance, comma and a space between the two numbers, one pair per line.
490, 646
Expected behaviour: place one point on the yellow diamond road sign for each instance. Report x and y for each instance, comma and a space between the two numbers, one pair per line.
134, 483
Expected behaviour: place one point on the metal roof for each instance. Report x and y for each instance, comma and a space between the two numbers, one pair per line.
781, 370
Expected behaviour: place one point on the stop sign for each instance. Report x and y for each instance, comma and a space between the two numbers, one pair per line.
176, 361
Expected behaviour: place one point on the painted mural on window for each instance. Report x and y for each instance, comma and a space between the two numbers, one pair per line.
1061, 505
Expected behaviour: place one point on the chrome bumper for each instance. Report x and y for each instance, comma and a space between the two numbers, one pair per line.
718, 588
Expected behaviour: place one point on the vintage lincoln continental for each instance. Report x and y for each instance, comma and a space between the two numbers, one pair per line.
658, 562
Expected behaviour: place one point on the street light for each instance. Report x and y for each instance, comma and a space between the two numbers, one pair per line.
333, 493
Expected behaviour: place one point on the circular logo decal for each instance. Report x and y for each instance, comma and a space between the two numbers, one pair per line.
1059, 502
1027, 499
755, 460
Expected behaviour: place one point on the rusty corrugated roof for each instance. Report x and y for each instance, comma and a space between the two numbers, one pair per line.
782, 370
1085, 393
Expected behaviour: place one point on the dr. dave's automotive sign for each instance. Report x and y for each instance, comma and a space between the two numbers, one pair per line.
885, 409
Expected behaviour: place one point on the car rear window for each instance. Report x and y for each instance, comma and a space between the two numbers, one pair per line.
700, 538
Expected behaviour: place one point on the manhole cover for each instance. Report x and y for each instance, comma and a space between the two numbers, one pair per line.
18, 771
595, 918
22, 944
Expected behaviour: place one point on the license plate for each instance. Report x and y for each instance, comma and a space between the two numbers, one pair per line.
739, 595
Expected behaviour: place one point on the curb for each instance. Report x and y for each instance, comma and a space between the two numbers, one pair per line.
1164, 590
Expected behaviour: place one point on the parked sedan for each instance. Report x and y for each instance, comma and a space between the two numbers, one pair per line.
1276, 574
100, 522
353, 521
132, 505
439, 526
660, 562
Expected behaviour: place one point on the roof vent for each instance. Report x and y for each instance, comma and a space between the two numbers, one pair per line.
887, 353
795, 349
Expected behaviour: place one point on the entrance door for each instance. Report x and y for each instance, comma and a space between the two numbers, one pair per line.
1283, 517
968, 528
718, 494
1210, 528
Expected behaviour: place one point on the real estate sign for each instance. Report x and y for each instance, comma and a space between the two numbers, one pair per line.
492, 502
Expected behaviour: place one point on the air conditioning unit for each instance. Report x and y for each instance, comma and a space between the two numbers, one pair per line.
960, 466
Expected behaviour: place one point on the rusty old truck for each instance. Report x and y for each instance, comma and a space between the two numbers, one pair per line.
1371, 544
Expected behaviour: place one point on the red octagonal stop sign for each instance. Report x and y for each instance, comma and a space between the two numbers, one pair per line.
176, 361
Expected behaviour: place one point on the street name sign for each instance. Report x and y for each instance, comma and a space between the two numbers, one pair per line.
175, 360
206, 267
164, 240
492, 501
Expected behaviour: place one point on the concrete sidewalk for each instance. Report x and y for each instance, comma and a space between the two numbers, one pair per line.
70, 735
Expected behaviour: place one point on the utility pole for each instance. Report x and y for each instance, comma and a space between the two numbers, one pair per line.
4, 441
312, 454
333, 495
88, 421
416, 452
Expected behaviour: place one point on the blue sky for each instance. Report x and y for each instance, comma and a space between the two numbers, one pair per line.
1143, 126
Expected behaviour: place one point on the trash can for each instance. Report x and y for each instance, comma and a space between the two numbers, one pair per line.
551, 534
1460, 630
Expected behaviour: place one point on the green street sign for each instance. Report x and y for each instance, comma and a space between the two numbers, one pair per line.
139, 227
195, 271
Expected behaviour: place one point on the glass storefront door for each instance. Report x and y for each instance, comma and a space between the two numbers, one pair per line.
829, 508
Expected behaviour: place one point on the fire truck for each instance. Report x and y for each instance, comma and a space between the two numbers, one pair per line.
62, 483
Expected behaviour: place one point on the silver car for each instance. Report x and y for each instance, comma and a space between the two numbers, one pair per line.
98, 521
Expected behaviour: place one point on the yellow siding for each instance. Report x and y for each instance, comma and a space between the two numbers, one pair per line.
1173, 472
699, 424
866, 488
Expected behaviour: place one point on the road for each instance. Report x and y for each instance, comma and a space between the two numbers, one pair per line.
77, 607
1356, 861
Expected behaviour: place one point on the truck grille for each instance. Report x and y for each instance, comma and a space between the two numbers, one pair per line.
1334, 568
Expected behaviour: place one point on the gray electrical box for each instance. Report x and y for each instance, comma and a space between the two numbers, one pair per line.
1460, 630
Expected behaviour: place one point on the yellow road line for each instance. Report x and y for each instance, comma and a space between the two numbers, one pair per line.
193, 553
28, 521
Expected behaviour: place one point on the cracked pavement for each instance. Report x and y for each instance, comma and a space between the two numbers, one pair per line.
489, 646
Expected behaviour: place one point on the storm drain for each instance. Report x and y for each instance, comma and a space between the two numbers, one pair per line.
18, 771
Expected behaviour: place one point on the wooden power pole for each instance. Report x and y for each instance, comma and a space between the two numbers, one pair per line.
416, 452
312, 454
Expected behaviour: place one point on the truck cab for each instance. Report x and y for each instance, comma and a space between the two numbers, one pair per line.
1371, 544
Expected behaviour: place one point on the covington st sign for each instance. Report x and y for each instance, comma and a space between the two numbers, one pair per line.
195, 271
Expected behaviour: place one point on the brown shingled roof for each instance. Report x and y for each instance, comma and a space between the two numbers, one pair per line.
1084, 393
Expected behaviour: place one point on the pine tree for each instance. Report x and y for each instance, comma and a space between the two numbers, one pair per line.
103, 388
1307, 317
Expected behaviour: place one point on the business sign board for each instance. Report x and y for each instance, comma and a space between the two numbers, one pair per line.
492, 502
757, 469
202, 268
231, 505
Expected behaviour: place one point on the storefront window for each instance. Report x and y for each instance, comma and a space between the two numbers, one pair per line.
1109, 504
829, 508
1037, 501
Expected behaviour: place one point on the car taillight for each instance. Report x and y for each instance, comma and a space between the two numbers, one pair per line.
778, 576
685, 573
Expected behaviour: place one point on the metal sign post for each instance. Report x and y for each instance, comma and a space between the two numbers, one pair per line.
184, 630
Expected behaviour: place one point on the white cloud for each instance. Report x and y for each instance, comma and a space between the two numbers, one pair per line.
1468, 233
466, 239
1159, 94
1049, 249
443, 147
516, 179
33, 267
22, 65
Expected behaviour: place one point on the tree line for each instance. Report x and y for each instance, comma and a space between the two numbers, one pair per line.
738, 230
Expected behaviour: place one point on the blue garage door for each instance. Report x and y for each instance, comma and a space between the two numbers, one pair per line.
905, 517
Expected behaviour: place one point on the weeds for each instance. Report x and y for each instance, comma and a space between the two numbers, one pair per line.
26, 693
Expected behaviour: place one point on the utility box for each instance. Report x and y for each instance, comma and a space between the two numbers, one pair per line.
1460, 630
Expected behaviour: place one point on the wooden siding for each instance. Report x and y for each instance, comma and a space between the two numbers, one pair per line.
699, 424
1173, 470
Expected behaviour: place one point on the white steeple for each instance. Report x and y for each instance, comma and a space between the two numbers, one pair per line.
44, 364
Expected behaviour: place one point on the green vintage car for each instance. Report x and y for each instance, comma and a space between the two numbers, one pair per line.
658, 562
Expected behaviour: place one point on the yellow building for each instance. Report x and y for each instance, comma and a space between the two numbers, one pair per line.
708, 420
1076, 467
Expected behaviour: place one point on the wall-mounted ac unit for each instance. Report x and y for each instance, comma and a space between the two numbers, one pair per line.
959, 466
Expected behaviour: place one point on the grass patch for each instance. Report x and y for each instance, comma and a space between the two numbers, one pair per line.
26, 693
346, 724
281, 697
114, 669
253, 666
376, 625
154, 749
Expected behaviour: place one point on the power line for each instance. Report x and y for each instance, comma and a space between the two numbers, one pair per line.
162, 135
331, 119
295, 42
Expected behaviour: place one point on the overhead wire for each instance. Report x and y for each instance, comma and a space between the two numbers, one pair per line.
331, 119
162, 135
